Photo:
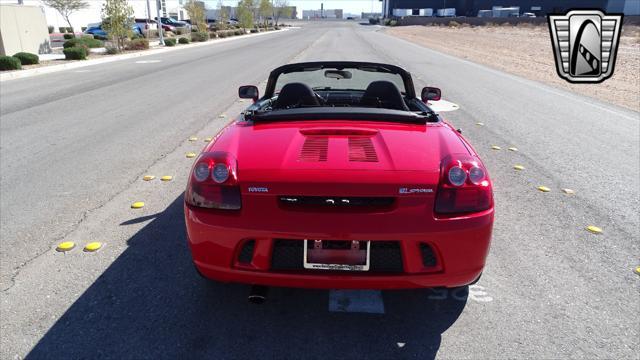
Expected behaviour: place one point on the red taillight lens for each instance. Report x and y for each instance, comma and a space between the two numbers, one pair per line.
208, 189
458, 194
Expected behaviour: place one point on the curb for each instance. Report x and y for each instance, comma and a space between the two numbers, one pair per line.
21, 74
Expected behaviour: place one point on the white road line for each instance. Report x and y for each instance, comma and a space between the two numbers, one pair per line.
148, 61
359, 301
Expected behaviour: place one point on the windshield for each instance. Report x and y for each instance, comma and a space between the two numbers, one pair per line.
338, 79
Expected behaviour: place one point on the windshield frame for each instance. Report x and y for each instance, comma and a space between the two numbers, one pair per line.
299, 67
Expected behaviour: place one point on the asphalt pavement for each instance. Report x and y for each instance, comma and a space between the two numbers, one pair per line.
75, 144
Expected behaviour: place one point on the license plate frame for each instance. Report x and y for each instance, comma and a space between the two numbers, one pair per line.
339, 267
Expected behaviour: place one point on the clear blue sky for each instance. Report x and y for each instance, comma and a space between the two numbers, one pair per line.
349, 6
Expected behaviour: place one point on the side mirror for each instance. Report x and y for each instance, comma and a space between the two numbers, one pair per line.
248, 92
431, 94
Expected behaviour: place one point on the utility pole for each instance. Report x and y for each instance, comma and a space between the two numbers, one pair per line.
159, 22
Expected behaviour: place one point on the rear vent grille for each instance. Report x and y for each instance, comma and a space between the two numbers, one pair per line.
428, 257
361, 149
314, 149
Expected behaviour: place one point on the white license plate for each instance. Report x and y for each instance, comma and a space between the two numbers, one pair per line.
341, 267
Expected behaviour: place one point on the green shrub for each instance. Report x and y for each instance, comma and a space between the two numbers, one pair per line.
213, 35
27, 58
393, 23
137, 44
50, 29
75, 53
222, 34
183, 40
199, 36
253, 31
9, 63
112, 50
88, 41
68, 36
454, 24
70, 30
62, 29
240, 32
169, 42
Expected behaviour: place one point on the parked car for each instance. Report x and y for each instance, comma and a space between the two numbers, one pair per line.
146, 24
174, 23
98, 33
528, 14
339, 176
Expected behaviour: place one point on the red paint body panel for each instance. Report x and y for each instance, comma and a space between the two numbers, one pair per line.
343, 159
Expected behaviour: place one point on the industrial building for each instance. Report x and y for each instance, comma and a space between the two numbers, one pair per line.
322, 14
472, 7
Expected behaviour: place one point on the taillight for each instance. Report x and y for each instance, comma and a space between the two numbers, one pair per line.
213, 182
464, 186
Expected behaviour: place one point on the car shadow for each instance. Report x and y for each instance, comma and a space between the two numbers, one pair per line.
150, 303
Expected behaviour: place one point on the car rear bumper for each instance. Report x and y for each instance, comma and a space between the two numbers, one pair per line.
459, 247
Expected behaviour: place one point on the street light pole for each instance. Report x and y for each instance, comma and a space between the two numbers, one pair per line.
159, 22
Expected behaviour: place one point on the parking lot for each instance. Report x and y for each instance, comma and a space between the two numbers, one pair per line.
77, 143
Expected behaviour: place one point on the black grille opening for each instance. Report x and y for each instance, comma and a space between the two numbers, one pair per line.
246, 253
428, 256
386, 256
287, 255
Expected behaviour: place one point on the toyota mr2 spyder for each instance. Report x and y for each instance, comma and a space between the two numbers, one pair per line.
339, 177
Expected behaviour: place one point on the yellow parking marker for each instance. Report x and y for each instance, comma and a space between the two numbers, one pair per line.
495, 147
594, 229
208, 139
480, 123
148, 177
92, 246
637, 270
137, 205
193, 138
568, 191
65, 246
191, 155
544, 188
166, 178
518, 167
513, 149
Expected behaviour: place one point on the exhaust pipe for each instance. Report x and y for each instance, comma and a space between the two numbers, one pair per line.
258, 294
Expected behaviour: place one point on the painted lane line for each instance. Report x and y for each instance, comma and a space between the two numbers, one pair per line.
358, 301
148, 61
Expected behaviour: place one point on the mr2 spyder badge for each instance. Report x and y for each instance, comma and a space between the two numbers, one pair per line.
415, 191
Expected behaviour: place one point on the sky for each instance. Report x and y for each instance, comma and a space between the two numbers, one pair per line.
349, 6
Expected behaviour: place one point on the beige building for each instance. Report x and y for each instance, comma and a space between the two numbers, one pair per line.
23, 28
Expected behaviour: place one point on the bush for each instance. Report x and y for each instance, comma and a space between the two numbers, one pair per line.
62, 29
9, 63
27, 58
183, 40
169, 42
180, 31
199, 36
277, 28
51, 29
240, 32
393, 23
68, 36
213, 35
83, 28
222, 34
253, 31
454, 24
70, 30
112, 50
75, 53
137, 44
87, 41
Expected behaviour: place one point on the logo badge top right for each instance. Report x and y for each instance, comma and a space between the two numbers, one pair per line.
585, 43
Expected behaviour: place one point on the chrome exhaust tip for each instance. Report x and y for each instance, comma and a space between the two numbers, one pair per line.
258, 294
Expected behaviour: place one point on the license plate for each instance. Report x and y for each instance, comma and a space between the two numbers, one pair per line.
320, 257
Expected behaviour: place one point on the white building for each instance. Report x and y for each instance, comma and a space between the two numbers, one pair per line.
91, 14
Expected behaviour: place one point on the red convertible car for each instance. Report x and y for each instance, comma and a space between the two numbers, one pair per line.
339, 177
